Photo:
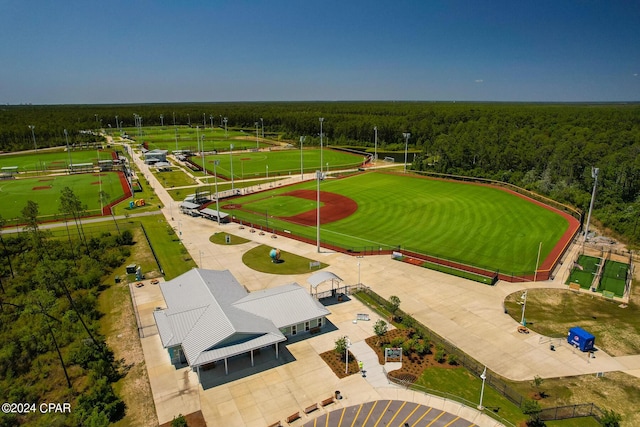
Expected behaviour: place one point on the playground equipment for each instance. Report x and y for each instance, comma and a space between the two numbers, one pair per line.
136, 203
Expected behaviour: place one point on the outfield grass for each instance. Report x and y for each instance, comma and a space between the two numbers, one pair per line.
473, 224
249, 164
15, 193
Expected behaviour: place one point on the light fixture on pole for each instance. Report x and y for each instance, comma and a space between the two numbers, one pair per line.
594, 175
215, 177
321, 121
375, 146
301, 160
33, 134
318, 178
347, 345
484, 377
406, 135
523, 301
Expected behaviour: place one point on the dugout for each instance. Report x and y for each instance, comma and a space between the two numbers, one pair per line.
581, 339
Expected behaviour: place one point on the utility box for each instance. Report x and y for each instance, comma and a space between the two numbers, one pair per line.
131, 269
580, 338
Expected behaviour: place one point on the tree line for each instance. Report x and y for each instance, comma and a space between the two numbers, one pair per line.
547, 148
51, 349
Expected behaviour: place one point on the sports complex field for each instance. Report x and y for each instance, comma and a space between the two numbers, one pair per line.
473, 224
44, 160
45, 190
252, 164
186, 138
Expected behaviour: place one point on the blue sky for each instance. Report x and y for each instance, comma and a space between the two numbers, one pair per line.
135, 51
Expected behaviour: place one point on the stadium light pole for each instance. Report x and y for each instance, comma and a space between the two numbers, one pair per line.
301, 161
321, 121
230, 158
375, 146
226, 135
267, 171
204, 121
215, 177
257, 146
174, 118
318, 176
359, 259
176, 139
117, 127
594, 175
162, 120
211, 118
189, 119
262, 121
406, 135
33, 135
66, 138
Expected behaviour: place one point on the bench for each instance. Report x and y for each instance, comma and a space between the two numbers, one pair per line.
291, 418
326, 402
311, 408
574, 287
314, 330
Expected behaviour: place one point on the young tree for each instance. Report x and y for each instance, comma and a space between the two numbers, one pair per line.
341, 345
394, 304
380, 329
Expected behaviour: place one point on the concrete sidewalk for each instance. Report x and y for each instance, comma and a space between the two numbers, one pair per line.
468, 314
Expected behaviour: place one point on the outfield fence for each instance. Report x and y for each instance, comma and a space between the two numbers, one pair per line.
475, 367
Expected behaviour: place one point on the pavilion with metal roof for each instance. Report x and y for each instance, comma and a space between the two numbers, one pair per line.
211, 317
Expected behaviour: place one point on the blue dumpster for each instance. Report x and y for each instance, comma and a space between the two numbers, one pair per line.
580, 338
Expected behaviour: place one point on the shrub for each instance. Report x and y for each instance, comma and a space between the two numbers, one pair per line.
452, 359
397, 342
179, 421
440, 355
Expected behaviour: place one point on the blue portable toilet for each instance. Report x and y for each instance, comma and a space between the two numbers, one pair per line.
580, 338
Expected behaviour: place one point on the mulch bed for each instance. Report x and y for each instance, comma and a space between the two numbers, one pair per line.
194, 419
337, 363
412, 364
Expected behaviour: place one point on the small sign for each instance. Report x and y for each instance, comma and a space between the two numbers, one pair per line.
392, 353
314, 264
227, 239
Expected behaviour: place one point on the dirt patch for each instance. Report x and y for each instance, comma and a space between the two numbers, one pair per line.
232, 206
335, 207
42, 187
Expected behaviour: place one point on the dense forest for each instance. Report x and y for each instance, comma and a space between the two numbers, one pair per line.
51, 350
547, 148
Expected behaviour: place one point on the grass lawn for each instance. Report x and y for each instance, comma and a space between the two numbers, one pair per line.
174, 178
43, 160
278, 163
478, 225
551, 312
187, 138
45, 190
221, 239
460, 382
258, 259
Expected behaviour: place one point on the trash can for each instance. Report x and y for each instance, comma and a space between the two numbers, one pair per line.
338, 397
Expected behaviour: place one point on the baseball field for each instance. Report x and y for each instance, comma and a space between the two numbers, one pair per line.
254, 164
45, 190
474, 224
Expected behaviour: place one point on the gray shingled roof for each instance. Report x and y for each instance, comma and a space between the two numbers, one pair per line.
213, 317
